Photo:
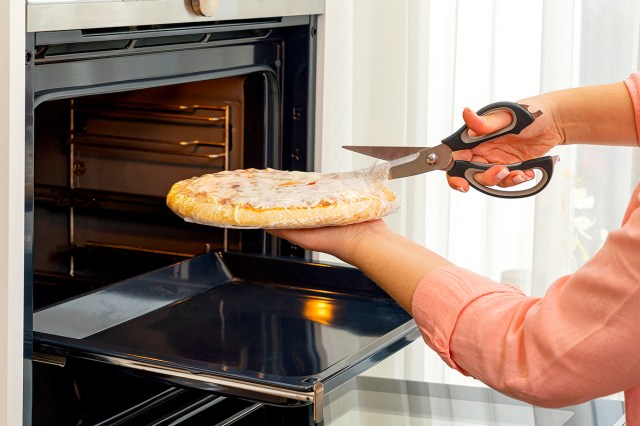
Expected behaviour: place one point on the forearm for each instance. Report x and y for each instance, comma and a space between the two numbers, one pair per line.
601, 115
395, 263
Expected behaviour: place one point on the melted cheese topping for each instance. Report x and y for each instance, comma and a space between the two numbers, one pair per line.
269, 188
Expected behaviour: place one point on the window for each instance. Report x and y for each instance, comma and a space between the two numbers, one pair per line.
406, 71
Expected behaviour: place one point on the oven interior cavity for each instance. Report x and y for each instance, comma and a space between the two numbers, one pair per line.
104, 164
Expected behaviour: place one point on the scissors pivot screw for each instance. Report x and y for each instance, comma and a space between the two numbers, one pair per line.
432, 159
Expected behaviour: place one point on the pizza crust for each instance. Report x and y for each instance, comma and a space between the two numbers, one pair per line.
267, 198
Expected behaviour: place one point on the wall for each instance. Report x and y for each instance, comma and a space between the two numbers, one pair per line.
12, 46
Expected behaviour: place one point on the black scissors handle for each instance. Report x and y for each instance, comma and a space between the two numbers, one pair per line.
544, 165
521, 118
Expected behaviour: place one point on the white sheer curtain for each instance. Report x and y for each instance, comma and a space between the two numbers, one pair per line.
405, 71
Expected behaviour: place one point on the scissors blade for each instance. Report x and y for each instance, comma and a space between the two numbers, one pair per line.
426, 160
384, 152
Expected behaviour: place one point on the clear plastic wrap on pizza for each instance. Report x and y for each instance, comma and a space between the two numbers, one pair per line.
268, 198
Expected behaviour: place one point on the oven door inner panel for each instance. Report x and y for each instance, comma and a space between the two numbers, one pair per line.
272, 330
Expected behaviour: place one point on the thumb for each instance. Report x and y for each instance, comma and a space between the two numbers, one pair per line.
484, 124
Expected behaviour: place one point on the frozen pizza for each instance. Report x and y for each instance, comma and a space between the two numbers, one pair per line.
268, 198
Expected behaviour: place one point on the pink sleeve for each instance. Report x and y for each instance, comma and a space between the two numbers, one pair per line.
633, 86
578, 342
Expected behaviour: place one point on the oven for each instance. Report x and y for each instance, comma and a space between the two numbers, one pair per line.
135, 316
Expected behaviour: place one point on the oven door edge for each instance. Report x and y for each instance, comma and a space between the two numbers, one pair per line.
223, 385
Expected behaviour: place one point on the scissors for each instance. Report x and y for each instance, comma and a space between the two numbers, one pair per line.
409, 161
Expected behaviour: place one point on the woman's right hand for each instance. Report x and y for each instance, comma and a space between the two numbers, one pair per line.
534, 141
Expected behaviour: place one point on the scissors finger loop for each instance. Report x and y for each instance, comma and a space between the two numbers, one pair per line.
544, 165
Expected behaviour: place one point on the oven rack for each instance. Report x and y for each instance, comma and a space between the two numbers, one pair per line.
63, 196
139, 144
121, 125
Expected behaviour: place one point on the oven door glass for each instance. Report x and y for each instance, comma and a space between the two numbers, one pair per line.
375, 401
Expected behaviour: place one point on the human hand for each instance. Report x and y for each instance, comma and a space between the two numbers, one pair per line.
534, 141
339, 241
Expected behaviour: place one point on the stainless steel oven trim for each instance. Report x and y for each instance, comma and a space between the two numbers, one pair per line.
253, 391
56, 15
102, 34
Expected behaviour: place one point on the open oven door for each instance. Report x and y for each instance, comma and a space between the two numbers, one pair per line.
277, 331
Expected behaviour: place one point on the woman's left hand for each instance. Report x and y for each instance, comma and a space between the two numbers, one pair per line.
339, 241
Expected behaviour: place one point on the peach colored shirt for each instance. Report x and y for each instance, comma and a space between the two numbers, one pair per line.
578, 342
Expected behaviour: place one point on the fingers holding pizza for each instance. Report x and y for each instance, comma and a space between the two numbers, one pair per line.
339, 241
